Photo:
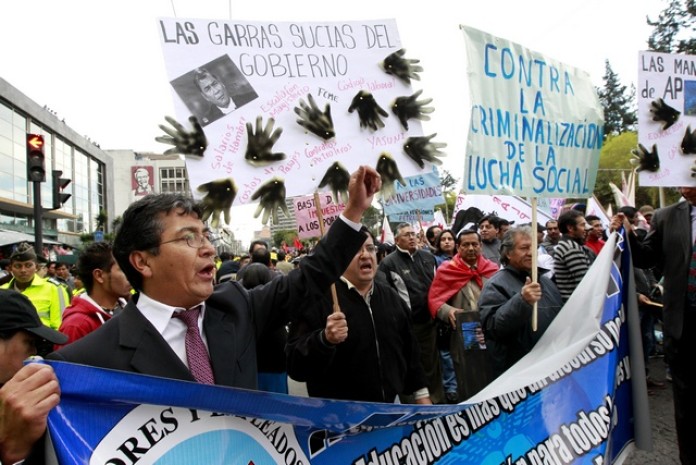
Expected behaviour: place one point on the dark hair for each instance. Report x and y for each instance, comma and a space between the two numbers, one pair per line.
568, 219
96, 256
141, 228
438, 250
589, 218
509, 239
630, 212
430, 234
200, 74
494, 220
257, 242
464, 232
261, 256
256, 274
281, 256
550, 221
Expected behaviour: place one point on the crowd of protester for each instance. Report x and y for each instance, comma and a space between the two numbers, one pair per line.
432, 318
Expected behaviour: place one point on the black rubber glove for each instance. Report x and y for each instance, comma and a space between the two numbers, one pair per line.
337, 178
369, 111
219, 195
406, 108
663, 113
314, 120
403, 68
387, 169
259, 145
644, 160
271, 196
420, 150
184, 142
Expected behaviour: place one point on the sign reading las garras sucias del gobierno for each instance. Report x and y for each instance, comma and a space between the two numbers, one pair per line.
569, 401
536, 124
230, 73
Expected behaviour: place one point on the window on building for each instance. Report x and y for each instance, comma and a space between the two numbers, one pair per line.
174, 180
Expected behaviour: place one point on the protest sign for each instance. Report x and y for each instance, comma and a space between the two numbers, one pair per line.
671, 78
269, 70
511, 208
536, 125
569, 401
421, 192
307, 217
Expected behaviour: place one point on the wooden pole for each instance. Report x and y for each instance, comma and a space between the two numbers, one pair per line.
320, 217
535, 257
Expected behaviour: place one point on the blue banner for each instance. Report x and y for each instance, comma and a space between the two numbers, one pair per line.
421, 192
569, 401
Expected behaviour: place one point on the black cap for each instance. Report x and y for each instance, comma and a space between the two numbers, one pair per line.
17, 312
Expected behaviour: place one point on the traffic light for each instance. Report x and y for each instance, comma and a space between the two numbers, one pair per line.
59, 197
36, 167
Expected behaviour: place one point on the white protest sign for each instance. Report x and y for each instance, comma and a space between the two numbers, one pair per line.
307, 217
268, 68
671, 78
536, 124
508, 207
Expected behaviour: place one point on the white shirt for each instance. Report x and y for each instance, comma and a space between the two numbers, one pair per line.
173, 330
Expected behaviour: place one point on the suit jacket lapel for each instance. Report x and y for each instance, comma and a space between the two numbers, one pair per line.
220, 335
151, 353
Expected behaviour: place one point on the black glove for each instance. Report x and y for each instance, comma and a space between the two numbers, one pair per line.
644, 160
313, 120
403, 68
688, 144
406, 108
337, 178
420, 149
218, 199
369, 111
259, 146
271, 196
663, 113
187, 143
387, 169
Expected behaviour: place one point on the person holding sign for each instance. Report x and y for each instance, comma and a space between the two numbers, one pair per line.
507, 300
365, 352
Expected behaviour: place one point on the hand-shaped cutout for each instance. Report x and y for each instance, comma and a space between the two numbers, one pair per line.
406, 108
387, 169
403, 68
271, 196
663, 113
313, 120
688, 144
420, 149
184, 142
644, 160
218, 199
259, 146
337, 178
369, 111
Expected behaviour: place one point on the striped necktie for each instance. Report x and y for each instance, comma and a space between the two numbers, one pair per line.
691, 287
196, 353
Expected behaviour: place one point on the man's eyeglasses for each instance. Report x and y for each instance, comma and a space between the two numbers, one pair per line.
370, 248
193, 240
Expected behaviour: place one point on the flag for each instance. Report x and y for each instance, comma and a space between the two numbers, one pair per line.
297, 244
387, 236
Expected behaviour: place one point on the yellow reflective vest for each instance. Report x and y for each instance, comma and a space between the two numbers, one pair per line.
49, 299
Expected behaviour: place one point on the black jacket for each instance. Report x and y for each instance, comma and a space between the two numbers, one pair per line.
417, 273
377, 361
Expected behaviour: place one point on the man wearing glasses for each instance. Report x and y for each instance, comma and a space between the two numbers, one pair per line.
366, 351
410, 270
178, 326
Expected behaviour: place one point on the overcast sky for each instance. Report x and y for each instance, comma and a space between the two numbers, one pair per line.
99, 64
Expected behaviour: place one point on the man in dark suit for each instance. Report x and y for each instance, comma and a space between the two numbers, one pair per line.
213, 90
163, 248
670, 247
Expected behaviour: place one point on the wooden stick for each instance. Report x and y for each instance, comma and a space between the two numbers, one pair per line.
320, 217
535, 257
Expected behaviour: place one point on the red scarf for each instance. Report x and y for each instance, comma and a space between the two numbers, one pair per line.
454, 275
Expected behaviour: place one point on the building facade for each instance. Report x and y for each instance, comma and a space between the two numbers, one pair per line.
82, 161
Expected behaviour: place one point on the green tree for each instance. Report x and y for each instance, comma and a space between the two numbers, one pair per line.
287, 235
617, 102
448, 183
675, 28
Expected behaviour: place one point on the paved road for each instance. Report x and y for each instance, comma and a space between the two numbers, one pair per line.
664, 435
